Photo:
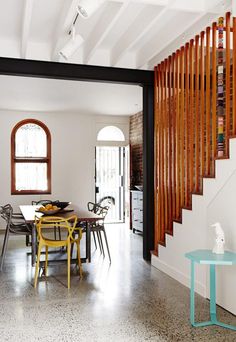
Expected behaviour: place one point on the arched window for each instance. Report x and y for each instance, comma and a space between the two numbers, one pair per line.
110, 133
30, 158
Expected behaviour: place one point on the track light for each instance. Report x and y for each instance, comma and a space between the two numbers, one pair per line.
72, 45
87, 7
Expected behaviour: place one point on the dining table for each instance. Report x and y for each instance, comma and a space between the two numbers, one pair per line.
84, 217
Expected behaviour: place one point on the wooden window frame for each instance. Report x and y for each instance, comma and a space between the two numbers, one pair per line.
15, 159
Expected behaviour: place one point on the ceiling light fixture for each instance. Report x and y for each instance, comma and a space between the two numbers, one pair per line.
87, 7
72, 45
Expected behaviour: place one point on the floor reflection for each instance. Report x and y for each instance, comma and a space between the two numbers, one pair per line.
126, 300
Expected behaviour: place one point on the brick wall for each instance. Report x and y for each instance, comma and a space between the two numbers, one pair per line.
136, 149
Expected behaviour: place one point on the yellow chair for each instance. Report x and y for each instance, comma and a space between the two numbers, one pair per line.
69, 226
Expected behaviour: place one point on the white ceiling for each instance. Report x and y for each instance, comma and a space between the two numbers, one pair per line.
121, 33
47, 95
124, 33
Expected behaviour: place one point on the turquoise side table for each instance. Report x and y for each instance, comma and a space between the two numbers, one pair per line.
206, 257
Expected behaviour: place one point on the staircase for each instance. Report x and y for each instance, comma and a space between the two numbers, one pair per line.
195, 152
217, 204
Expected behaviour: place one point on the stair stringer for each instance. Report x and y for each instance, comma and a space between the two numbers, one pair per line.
194, 233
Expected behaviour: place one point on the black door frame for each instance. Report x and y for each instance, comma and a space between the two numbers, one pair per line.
78, 72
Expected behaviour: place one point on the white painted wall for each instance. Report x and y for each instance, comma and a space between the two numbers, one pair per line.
217, 204
73, 150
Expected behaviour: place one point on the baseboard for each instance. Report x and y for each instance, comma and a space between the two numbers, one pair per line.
177, 275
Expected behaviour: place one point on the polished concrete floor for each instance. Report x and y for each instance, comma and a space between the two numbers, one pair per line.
126, 301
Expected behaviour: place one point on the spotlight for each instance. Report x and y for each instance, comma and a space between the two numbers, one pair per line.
87, 7
72, 45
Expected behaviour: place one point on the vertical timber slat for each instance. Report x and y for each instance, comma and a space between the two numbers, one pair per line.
169, 76
182, 127
156, 156
191, 117
234, 76
166, 147
186, 127
177, 136
208, 104
202, 106
173, 134
162, 232
197, 112
227, 85
213, 88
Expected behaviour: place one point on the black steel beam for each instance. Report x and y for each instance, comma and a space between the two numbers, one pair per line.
148, 171
76, 72
91, 73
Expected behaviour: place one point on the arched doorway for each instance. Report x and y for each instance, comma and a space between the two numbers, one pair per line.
111, 180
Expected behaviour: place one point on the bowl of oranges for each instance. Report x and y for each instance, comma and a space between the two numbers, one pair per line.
48, 209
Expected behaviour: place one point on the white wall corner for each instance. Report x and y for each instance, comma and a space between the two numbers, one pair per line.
184, 279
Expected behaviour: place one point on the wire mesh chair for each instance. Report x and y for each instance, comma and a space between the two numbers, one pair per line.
15, 225
43, 225
45, 202
98, 227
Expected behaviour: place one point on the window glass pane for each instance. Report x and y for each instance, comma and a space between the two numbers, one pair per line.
31, 176
110, 133
31, 141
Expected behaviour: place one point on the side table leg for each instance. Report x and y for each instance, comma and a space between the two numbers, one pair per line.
213, 293
213, 301
192, 299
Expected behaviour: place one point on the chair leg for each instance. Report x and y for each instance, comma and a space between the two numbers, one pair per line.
68, 265
79, 260
27, 240
100, 236
94, 238
99, 242
71, 249
46, 261
59, 233
105, 235
55, 233
37, 265
4, 247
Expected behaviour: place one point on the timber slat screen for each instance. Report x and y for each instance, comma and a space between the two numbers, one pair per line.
195, 115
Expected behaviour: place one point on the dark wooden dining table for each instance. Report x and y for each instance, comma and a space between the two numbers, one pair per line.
86, 217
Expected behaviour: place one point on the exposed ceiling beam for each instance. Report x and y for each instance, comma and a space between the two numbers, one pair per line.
146, 2
27, 16
145, 55
100, 32
133, 34
67, 14
189, 32
181, 5
120, 48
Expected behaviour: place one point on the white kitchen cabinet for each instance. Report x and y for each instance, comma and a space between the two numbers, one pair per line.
137, 210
